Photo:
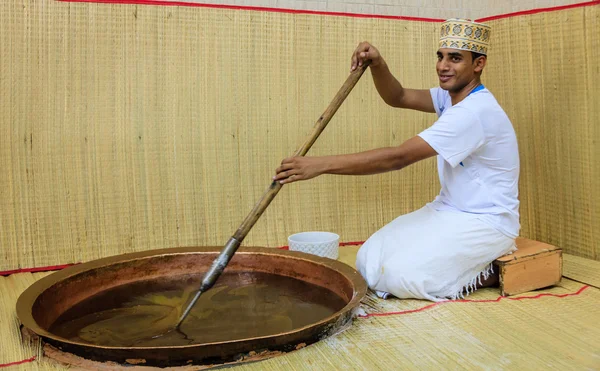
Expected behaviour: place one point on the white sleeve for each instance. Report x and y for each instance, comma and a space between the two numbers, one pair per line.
438, 96
455, 135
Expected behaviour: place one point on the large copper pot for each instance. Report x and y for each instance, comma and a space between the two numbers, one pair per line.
44, 302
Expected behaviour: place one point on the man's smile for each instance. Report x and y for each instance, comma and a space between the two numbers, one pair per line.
445, 78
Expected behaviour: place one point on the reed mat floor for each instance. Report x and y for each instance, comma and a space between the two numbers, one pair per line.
550, 329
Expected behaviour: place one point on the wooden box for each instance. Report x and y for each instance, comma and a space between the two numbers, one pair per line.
534, 265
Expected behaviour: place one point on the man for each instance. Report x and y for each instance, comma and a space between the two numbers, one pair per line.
444, 249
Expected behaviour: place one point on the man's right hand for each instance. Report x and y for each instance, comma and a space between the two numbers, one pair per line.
365, 52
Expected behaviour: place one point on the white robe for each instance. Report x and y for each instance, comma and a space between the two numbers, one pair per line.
430, 254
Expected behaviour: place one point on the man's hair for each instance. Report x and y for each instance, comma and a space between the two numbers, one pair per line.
476, 55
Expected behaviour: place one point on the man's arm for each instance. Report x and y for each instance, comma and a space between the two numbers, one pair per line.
376, 161
388, 87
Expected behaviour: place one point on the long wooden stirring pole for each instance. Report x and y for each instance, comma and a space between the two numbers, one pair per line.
234, 242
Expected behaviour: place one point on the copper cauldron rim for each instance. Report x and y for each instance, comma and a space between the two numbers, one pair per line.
29, 296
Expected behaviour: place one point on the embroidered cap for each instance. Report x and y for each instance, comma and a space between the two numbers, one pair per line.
465, 34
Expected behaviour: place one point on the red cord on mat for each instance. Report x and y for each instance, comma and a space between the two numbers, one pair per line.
539, 10
254, 8
474, 301
63, 266
59, 267
18, 362
353, 243
316, 12
36, 269
407, 311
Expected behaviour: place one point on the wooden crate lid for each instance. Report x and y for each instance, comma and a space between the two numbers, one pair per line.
525, 248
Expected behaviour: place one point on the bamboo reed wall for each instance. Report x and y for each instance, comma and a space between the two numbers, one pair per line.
545, 72
125, 128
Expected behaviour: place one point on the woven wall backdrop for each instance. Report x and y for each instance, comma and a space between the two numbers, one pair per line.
544, 70
126, 128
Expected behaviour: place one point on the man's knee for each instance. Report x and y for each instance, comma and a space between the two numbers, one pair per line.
368, 262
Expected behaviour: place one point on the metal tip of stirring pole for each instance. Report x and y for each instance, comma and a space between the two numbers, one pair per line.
188, 308
211, 276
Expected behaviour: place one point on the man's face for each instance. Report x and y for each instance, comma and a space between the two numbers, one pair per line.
456, 69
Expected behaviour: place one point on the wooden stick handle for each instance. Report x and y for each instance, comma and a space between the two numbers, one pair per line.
219, 264
320, 125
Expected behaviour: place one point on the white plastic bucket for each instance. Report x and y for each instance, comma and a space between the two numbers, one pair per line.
325, 244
